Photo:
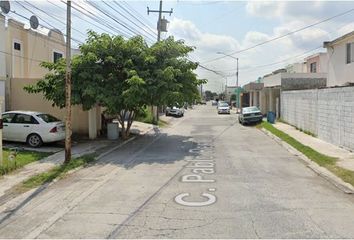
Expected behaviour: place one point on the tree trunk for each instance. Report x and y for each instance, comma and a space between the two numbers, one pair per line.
130, 122
121, 118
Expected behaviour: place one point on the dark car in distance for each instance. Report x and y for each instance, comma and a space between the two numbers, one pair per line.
250, 115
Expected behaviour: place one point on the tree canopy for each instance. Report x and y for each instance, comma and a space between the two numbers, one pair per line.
123, 76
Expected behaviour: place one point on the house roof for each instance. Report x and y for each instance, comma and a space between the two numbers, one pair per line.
331, 43
315, 55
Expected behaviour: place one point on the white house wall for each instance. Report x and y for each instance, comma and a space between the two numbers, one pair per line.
272, 80
339, 72
323, 68
2, 48
2, 61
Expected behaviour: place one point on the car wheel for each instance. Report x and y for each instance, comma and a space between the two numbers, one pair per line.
34, 140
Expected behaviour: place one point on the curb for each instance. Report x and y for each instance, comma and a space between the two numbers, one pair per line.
321, 171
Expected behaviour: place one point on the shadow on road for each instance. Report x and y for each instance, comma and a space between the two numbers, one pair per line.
154, 148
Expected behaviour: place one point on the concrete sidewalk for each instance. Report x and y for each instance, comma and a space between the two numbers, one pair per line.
345, 157
9, 181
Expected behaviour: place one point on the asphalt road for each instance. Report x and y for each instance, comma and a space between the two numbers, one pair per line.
204, 176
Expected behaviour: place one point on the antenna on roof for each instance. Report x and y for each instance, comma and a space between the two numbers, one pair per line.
34, 22
5, 6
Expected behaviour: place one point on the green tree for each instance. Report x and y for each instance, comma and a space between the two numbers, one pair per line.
106, 73
170, 76
123, 76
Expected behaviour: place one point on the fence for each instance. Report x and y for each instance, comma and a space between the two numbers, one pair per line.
328, 113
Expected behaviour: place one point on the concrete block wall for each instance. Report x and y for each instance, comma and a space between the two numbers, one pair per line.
328, 113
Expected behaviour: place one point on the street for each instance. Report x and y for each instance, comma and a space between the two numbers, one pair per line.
203, 176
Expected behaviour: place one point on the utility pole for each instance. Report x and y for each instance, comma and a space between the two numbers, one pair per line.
68, 84
237, 73
159, 29
237, 87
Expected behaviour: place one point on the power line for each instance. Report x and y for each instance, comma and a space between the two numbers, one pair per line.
50, 25
131, 22
80, 17
53, 16
137, 19
140, 16
282, 36
112, 18
91, 15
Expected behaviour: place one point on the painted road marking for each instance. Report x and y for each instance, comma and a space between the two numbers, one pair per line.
201, 168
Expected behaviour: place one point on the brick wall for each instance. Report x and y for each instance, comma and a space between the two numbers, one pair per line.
327, 113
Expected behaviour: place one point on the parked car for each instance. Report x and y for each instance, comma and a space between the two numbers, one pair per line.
175, 111
214, 103
34, 128
223, 107
250, 115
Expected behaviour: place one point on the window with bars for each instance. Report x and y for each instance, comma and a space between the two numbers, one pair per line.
17, 46
57, 56
350, 53
313, 67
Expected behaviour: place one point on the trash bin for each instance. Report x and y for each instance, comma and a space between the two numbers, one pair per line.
271, 117
113, 130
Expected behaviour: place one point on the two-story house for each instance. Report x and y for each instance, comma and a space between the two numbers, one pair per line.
2, 62
25, 49
341, 60
317, 63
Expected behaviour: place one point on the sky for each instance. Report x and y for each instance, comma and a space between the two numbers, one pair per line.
212, 27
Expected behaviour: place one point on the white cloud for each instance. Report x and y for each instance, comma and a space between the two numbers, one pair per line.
346, 29
208, 44
289, 16
264, 9
304, 10
212, 43
254, 37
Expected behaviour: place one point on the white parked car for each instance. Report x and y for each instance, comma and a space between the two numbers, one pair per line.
35, 128
223, 107
174, 111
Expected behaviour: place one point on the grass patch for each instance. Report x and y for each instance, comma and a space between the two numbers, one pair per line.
321, 159
22, 158
162, 123
145, 116
56, 172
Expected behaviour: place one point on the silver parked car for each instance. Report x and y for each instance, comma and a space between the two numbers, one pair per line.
250, 115
174, 111
223, 107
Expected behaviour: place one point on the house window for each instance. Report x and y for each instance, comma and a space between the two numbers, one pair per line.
17, 46
57, 56
350, 53
313, 67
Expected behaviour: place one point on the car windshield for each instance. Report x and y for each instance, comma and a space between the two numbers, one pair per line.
223, 105
48, 118
250, 109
